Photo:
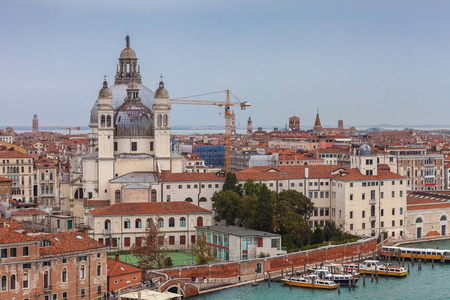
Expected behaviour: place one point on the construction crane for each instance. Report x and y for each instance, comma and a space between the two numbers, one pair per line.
226, 104
61, 127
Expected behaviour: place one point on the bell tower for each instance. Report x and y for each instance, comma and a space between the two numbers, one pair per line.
105, 140
128, 70
161, 110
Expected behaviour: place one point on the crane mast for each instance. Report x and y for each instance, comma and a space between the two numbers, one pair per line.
226, 104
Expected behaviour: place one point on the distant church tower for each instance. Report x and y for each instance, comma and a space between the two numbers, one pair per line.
161, 110
249, 126
35, 124
233, 123
341, 124
294, 124
105, 140
317, 124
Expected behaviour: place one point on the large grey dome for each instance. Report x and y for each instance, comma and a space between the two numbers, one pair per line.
365, 150
119, 92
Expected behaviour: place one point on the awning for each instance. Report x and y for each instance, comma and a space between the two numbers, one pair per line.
150, 295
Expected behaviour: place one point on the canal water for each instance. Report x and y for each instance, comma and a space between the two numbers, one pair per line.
428, 283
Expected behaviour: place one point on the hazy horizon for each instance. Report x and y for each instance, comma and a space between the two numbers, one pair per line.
366, 62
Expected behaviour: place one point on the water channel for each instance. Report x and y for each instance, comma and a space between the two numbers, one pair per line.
428, 283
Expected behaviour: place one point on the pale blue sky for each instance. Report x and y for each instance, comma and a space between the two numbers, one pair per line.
366, 62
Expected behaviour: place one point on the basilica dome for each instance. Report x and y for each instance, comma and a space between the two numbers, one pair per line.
133, 118
128, 71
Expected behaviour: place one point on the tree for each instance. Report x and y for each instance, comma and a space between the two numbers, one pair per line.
231, 184
332, 232
249, 212
292, 212
251, 188
265, 210
227, 205
168, 262
150, 251
202, 250
318, 236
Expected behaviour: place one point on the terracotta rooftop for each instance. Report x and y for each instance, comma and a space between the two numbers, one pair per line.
355, 174
67, 242
148, 208
9, 236
13, 154
422, 200
4, 179
28, 212
117, 268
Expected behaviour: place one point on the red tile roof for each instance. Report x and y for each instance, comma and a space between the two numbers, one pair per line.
67, 242
9, 236
96, 203
14, 154
4, 179
117, 268
149, 208
28, 212
355, 174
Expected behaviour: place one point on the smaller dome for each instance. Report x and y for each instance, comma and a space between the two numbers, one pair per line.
127, 53
105, 92
161, 92
365, 150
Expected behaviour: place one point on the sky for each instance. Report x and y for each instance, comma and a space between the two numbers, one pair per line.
365, 62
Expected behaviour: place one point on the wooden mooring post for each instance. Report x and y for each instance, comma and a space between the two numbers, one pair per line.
372, 276
269, 278
339, 287
364, 279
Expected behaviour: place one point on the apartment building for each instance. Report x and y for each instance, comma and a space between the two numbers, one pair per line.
122, 225
19, 167
51, 266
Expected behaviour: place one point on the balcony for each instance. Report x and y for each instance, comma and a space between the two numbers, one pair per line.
373, 201
107, 231
47, 288
373, 218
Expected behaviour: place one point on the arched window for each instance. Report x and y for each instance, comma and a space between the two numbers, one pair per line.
149, 221
12, 282
117, 196
25, 281
102, 120
182, 222
153, 196
202, 199
408, 172
42, 189
188, 200
108, 121
82, 272
107, 224
42, 176
46, 280
419, 220
199, 221
443, 218
159, 120
99, 269
171, 222
64, 275
126, 223
46, 189
4, 283
79, 193
165, 120
161, 222
51, 189
138, 223
51, 175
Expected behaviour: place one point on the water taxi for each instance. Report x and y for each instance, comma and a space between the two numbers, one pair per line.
416, 253
337, 269
376, 266
310, 281
343, 279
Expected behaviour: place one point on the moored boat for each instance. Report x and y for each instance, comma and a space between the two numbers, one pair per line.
343, 279
310, 281
369, 266
415, 253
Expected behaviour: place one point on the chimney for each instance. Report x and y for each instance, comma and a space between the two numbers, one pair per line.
117, 257
306, 172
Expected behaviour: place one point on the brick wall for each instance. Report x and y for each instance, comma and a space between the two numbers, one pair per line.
272, 264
